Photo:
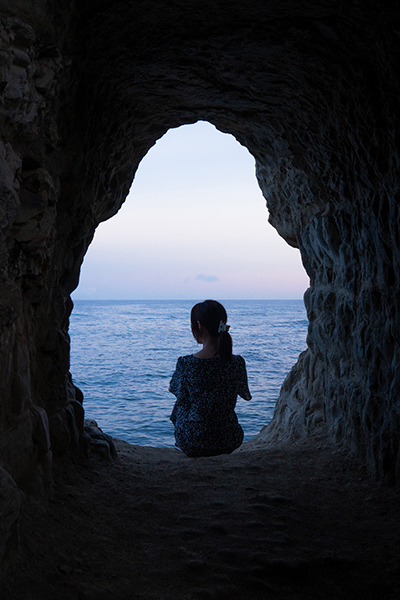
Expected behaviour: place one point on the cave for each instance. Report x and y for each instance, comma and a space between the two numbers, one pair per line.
311, 89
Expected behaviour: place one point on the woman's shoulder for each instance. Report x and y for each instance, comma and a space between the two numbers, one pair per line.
237, 358
184, 360
182, 366
239, 362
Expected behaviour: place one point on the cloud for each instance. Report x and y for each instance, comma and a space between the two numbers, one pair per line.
208, 278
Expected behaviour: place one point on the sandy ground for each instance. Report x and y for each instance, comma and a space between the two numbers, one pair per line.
296, 522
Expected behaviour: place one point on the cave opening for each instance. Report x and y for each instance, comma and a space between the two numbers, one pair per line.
193, 226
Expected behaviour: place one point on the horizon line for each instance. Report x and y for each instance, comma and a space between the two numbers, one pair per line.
179, 299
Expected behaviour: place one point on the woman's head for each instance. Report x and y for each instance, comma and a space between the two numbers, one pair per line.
212, 316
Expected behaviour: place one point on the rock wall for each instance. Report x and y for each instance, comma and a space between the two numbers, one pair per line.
34, 342
312, 91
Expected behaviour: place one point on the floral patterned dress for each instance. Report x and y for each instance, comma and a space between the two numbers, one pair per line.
206, 391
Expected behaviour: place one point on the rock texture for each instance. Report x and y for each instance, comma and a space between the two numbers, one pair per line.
10, 505
311, 89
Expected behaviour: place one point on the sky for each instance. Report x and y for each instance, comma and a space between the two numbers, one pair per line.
194, 226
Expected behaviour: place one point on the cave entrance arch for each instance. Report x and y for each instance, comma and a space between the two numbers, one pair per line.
313, 94
195, 223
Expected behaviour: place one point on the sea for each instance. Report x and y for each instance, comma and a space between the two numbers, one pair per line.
124, 352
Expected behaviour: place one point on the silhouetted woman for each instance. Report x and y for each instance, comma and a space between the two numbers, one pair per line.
206, 386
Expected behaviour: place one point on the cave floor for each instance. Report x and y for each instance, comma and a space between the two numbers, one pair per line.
296, 522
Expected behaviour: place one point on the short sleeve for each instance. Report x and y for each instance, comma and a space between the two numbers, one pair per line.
243, 386
177, 378
178, 388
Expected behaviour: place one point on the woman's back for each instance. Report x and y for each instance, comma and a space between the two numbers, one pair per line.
206, 390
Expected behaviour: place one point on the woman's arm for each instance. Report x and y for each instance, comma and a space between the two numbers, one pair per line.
173, 388
176, 379
243, 386
177, 387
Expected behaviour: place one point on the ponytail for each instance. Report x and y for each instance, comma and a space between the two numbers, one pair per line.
212, 315
225, 345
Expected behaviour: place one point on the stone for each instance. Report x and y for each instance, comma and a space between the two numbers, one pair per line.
100, 442
100, 447
22, 34
44, 77
20, 58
